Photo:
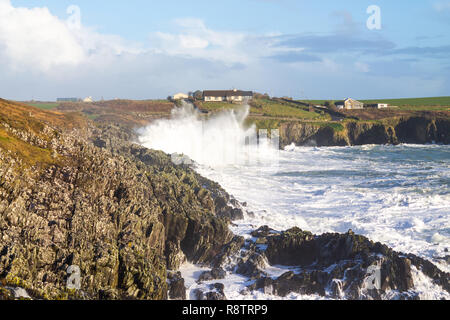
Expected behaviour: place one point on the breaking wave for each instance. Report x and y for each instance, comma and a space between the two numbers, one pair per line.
219, 140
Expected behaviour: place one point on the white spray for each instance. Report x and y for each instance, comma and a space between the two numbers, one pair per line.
219, 140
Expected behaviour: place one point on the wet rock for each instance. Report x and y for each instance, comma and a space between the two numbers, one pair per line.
199, 294
252, 265
218, 293
263, 232
214, 274
289, 282
215, 296
439, 277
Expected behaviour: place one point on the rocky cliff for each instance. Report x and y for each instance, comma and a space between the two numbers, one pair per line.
418, 130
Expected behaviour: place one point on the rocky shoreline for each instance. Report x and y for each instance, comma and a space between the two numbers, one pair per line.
128, 218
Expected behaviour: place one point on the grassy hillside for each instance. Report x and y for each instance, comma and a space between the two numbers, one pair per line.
131, 113
271, 108
268, 108
24, 135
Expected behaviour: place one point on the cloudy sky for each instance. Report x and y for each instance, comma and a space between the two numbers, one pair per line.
144, 49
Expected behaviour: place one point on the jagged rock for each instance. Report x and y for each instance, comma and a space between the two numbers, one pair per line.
214, 296
339, 265
304, 283
177, 289
217, 293
441, 278
174, 254
228, 251
223, 209
199, 294
6, 294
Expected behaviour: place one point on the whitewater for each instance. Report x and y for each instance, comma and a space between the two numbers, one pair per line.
397, 195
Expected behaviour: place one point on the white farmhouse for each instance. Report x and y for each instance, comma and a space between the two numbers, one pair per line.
349, 104
227, 95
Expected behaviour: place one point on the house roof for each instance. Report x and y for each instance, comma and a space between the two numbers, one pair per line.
343, 102
226, 93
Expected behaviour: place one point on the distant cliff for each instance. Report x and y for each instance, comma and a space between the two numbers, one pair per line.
416, 130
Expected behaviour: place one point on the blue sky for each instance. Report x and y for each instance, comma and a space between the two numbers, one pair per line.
150, 49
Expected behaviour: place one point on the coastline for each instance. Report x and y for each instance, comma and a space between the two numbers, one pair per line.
413, 130
129, 218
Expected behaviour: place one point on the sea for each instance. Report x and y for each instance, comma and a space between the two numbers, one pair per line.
397, 195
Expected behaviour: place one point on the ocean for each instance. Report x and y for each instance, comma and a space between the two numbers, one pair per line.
397, 195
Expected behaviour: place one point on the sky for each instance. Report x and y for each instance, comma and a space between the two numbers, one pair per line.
140, 49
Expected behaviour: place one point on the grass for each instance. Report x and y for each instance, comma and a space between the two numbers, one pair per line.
92, 116
315, 102
23, 118
44, 106
418, 104
264, 123
30, 155
414, 102
271, 108
267, 108
215, 106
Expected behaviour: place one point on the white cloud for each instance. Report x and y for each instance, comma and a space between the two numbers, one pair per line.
34, 39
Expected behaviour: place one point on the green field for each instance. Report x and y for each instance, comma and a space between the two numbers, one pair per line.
270, 108
414, 103
316, 102
44, 105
